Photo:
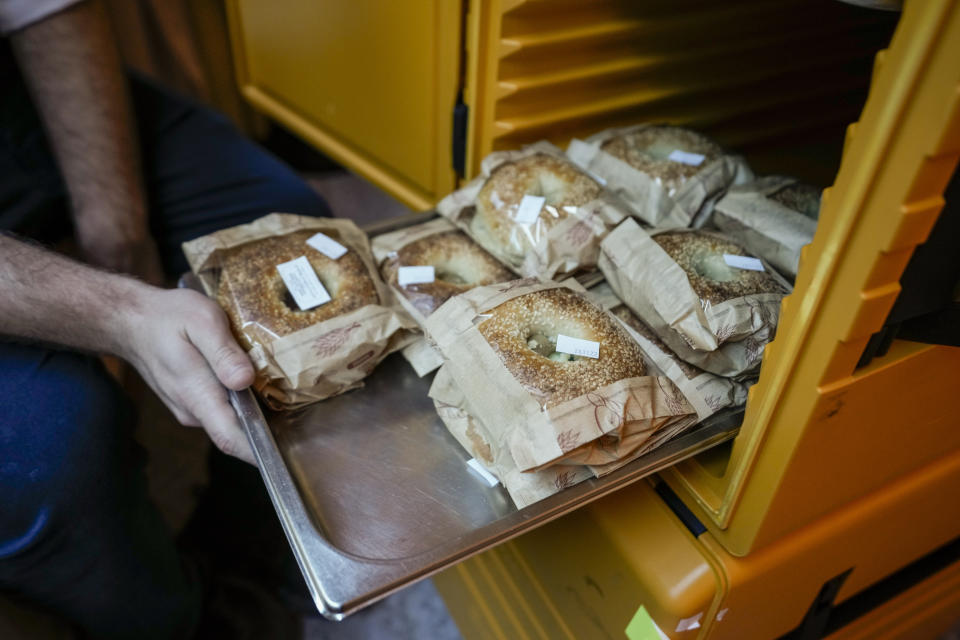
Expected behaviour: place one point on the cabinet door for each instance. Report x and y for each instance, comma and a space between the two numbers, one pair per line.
371, 83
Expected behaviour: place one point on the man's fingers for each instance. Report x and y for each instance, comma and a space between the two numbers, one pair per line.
202, 402
182, 416
220, 422
228, 361
185, 418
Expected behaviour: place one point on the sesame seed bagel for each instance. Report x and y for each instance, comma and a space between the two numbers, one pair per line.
647, 150
700, 255
800, 197
523, 332
459, 263
252, 292
540, 174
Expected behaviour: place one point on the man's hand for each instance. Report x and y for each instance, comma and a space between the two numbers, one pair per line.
181, 344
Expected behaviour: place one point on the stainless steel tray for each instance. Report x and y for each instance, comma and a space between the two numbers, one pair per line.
374, 494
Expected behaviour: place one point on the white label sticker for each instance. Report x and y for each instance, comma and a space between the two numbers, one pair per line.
693, 159
327, 246
598, 179
488, 477
743, 262
303, 284
529, 209
415, 275
578, 347
688, 624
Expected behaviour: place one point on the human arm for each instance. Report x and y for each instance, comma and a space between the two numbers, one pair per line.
72, 67
178, 340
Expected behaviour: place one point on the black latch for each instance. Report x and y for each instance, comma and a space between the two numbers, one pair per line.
460, 111
814, 624
818, 615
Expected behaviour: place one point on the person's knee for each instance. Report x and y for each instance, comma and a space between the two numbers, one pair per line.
60, 438
291, 194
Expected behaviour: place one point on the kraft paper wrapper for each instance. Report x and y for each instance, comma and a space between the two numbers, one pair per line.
569, 246
767, 228
668, 432
706, 392
386, 245
322, 360
726, 339
645, 196
421, 356
494, 455
598, 428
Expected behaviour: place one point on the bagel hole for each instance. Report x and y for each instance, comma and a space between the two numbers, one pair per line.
545, 345
552, 188
661, 149
449, 275
289, 301
291, 304
461, 270
712, 267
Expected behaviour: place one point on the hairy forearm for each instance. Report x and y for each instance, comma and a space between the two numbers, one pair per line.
47, 297
183, 348
73, 69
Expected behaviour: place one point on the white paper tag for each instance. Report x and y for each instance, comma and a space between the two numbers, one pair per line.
303, 284
415, 275
488, 477
743, 262
693, 159
529, 209
327, 246
578, 347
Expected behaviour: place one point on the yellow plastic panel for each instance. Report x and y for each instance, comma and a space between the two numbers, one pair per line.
372, 84
745, 71
585, 575
817, 434
769, 591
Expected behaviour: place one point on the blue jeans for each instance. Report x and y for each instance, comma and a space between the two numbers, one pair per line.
78, 534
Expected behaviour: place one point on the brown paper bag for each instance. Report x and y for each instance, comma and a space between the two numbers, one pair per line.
755, 215
524, 488
645, 194
386, 245
598, 428
706, 392
548, 252
321, 360
726, 339
421, 356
